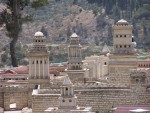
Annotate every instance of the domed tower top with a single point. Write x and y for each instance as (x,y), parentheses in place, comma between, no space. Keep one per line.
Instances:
(39,38)
(74,39)
(38,34)
(122,21)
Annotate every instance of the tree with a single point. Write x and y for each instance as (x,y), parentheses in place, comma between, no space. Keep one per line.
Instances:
(44,31)
(13,19)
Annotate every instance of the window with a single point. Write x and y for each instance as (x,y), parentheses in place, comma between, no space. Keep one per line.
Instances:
(37,61)
(41,61)
(105,63)
(33,62)
(125,46)
(66,89)
(70,100)
(63,100)
(120,46)
(124,35)
(120,35)
(116,46)
(45,61)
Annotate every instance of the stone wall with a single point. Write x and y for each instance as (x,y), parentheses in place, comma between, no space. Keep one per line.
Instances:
(20,98)
(43,101)
(101,99)
(119,78)
(1,99)
(104,99)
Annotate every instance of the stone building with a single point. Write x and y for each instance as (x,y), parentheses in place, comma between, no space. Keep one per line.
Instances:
(123,57)
(127,82)
(68,100)
(97,65)
(75,69)
(38,60)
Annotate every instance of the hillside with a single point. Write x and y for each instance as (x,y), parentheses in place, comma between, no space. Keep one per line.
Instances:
(91,19)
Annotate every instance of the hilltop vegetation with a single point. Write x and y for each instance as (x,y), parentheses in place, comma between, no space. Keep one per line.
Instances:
(91,19)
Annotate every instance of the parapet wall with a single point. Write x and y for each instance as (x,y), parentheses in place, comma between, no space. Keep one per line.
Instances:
(103,100)
(43,101)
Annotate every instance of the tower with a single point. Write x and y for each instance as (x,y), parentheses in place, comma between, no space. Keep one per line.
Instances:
(67,98)
(74,53)
(123,58)
(122,38)
(38,60)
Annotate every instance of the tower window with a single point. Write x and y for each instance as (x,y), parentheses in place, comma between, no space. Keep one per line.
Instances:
(41,61)
(70,100)
(120,46)
(37,61)
(125,46)
(66,89)
(120,35)
(105,63)
(39,40)
(124,35)
(63,100)
(129,46)
(116,46)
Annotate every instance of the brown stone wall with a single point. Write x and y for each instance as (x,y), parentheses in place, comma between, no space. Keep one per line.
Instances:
(76,77)
(104,100)
(1,99)
(20,98)
(119,78)
(42,102)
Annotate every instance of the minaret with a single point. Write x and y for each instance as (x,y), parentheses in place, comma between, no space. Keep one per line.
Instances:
(122,38)
(38,60)
(74,53)
(67,98)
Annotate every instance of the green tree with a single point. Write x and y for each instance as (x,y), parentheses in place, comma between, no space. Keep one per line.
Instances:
(13,20)
(44,31)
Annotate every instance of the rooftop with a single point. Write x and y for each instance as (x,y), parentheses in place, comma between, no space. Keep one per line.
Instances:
(74,35)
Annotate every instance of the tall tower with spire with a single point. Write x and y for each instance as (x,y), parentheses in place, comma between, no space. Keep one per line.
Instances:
(75,69)
(74,53)
(67,98)
(38,60)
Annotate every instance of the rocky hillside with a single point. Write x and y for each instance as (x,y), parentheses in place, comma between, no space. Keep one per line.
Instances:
(91,20)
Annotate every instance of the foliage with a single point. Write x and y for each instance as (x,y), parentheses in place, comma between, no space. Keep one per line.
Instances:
(39,3)
(44,31)
(143,12)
